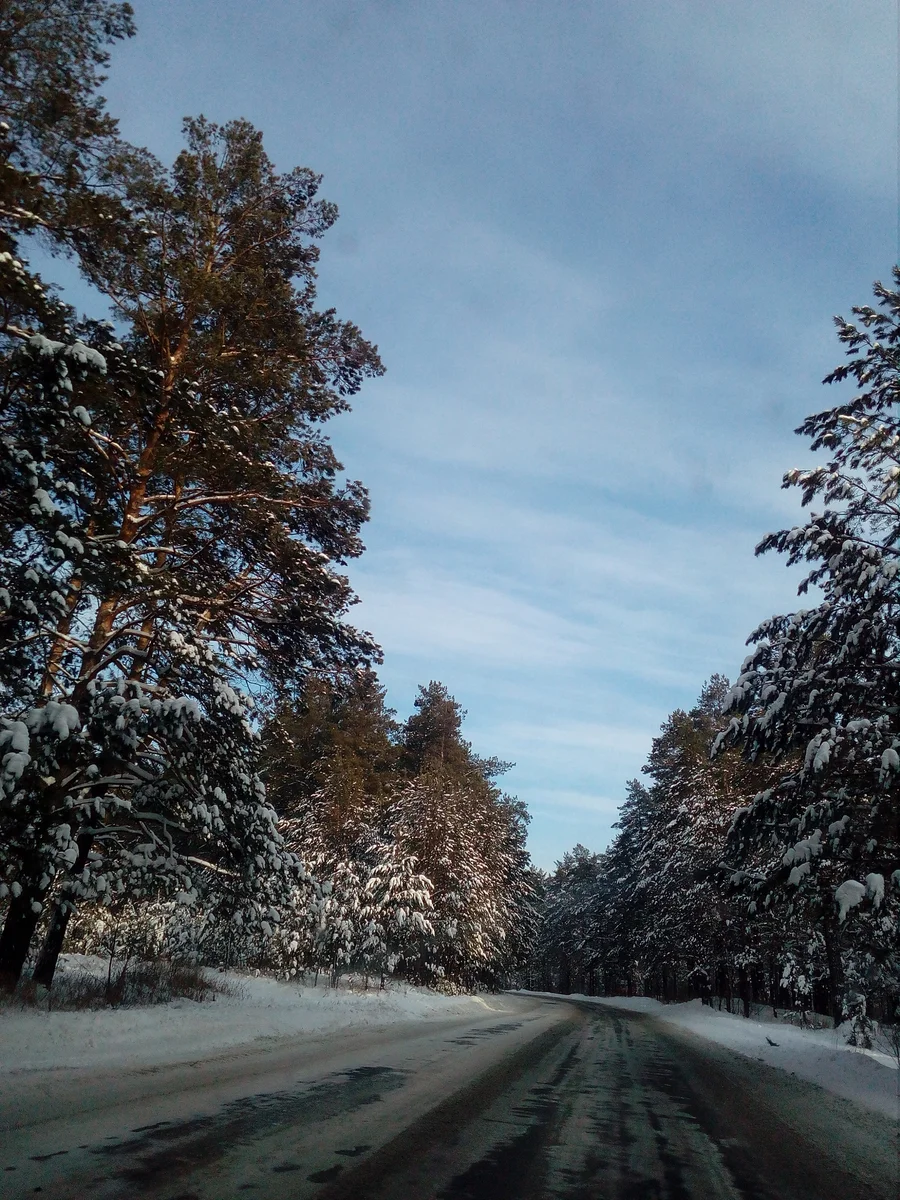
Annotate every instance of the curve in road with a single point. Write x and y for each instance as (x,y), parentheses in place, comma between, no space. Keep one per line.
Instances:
(538,1099)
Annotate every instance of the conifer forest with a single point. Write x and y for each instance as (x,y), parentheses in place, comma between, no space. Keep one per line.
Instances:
(199,760)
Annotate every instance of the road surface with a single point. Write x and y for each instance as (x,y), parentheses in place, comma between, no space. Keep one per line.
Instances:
(536,1099)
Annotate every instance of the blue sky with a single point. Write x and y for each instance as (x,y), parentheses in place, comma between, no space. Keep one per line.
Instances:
(599,246)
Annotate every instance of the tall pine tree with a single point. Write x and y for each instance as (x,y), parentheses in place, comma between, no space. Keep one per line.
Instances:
(172,513)
(821,684)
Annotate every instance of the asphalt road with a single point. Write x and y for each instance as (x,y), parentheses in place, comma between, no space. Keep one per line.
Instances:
(538,1099)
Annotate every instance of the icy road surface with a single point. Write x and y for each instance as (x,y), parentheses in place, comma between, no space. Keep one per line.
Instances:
(536,1099)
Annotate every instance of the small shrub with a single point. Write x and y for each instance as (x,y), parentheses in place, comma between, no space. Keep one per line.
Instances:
(130,985)
(160,981)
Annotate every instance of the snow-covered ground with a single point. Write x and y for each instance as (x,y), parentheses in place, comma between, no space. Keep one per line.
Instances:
(265,1008)
(184,1030)
(822,1056)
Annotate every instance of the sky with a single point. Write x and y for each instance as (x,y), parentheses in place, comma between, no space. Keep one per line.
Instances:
(599,246)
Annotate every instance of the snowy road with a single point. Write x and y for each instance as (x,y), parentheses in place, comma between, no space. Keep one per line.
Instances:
(535,1099)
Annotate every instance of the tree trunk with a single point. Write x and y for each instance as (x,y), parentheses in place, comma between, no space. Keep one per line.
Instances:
(18,930)
(744,985)
(59,922)
(837,985)
(108,606)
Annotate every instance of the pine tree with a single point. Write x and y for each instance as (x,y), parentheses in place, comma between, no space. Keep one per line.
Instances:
(432,736)
(568,946)
(171,513)
(469,841)
(397,909)
(333,744)
(694,933)
(653,914)
(55,133)
(821,683)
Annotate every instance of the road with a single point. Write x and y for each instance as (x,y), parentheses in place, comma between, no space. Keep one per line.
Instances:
(535,1099)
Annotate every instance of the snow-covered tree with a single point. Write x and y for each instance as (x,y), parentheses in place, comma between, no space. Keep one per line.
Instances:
(169,518)
(371,903)
(692,932)
(653,914)
(805,831)
(395,919)
(569,947)
(466,842)
(821,683)
(422,860)
(469,841)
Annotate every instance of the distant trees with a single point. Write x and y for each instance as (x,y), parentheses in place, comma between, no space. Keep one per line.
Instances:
(422,857)
(567,952)
(653,914)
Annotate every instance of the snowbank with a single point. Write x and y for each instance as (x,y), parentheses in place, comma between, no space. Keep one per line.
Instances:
(184,1030)
(822,1056)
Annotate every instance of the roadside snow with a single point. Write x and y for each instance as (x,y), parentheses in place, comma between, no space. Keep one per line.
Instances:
(186,1030)
(822,1056)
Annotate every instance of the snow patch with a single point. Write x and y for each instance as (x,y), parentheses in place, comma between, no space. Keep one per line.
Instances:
(185,1030)
(848,895)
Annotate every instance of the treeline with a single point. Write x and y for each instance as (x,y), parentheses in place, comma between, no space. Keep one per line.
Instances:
(411,861)
(425,860)
(173,616)
(657,913)
(760,862)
